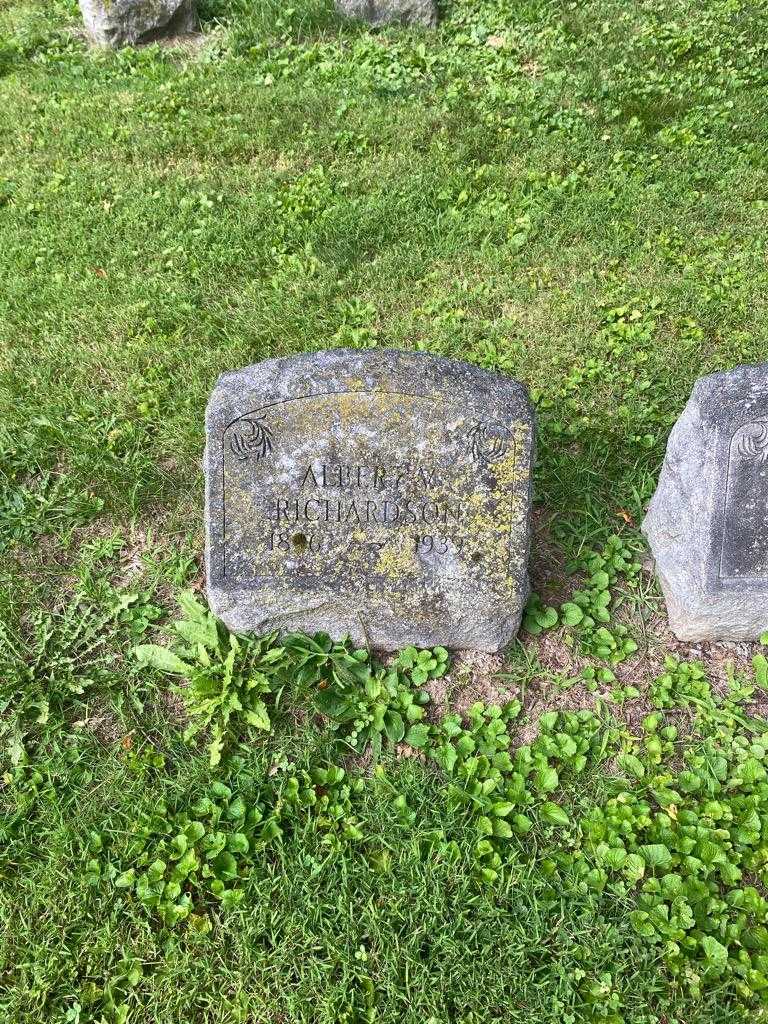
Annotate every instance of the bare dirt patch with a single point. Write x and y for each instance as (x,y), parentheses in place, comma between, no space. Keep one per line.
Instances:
(547,566)
(554,654)
(360,763)
(438,690)
(172,706)
(185,43)
(405,751)
(137,544)
(102,723)
(475,677)
(542,699)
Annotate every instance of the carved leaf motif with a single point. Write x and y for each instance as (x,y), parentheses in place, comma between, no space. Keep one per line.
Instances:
(753,441)
(251,438)
(487,442)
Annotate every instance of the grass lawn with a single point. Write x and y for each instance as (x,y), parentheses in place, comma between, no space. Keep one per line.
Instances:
(573,193)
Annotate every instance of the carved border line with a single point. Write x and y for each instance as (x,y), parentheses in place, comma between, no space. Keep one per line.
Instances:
(330,394)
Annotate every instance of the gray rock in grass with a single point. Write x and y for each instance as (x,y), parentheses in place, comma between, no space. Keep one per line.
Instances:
(386,12)
(707,523)
(131,22)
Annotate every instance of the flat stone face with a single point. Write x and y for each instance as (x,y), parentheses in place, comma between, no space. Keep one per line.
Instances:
(381,494)
(743,549)
(708,521)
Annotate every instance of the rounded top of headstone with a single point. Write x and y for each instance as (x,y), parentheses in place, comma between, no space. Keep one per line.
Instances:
(726,392)
(378,370)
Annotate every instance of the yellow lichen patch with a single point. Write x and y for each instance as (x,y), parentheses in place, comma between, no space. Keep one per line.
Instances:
(397,559)
(505,470)
(349,409)
(492,517)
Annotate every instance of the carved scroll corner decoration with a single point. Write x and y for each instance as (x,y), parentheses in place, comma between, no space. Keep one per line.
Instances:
(488,441)
(751,441)
(250,437)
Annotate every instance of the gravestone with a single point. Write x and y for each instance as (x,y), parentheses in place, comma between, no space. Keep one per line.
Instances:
(387,12)
(128,22)
(707,523)
(380,494)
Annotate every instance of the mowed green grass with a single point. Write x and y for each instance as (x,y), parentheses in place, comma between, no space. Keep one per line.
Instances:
(571,193)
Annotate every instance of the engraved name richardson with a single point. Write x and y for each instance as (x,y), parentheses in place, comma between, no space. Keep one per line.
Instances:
(343,495)
(364,511)
(484,443)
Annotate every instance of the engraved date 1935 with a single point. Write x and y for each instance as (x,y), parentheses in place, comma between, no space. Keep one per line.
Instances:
(431,544)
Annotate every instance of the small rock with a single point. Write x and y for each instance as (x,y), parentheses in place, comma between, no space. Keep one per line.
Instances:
(706,523)
(648,563)
(130,22)
(386,12)
(496,42)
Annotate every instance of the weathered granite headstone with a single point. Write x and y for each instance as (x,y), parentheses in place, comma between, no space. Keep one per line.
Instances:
(378,493)
(385,12)
(128,22)
(708,521)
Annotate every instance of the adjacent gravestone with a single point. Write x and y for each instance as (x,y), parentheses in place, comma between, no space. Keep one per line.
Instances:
(385,12)
(382,494)
(707,522)
(129,22)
